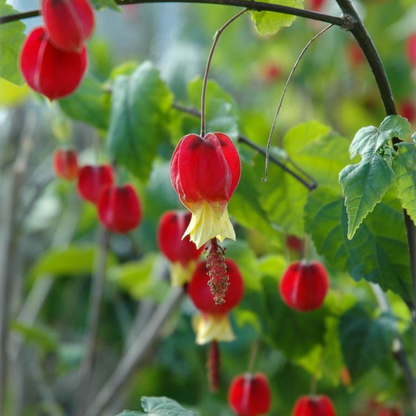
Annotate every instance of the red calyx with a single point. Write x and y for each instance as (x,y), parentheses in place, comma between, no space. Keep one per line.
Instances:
(389,411)
(119,208)
(69,23)
(314,406)
(411,48)
(200,292)
(48,70)
(250,395)
(304,285)
(172,226)
(205,169)
(65,163)
(92,180)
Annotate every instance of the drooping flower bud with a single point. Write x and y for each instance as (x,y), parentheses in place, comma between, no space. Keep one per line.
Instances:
(250,395)
(182,253)
(65,163)
(69,23)
(213,324)
(119,208)
(205,173)
(304,285)
(314,406)
(49,70)
(92,180)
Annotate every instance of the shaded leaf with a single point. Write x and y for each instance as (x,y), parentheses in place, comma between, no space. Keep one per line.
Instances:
(101,4)
(43,338)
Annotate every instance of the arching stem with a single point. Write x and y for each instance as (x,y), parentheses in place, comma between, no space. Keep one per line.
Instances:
(266,168)
(205,80)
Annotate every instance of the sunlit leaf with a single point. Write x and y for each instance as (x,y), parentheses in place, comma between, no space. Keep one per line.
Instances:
(11,94)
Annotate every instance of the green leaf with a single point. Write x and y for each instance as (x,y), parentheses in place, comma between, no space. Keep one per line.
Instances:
(268,23)
(71,261)
(11,40)
(159,406)
(378,253)
(294,333)
(89,103)
(404,166)
(365,341)
(221,109)
(139,107)
(365,183)
(101,4)
(40,337)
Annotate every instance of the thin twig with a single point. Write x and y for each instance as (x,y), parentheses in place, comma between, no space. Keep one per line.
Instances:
(129,362)
(209,60)
(96,296)
(248,4)
(289,78)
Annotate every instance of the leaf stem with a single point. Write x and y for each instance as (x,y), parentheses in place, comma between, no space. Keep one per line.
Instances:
(208,66)
(269,141)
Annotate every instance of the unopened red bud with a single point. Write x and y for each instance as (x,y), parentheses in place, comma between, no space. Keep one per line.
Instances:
(314,406)
(65,163)
(92,180)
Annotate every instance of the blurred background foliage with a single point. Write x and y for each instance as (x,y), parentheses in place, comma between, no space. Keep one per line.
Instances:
(56,232)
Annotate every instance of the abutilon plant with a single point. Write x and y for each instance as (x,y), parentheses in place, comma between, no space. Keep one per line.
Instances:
(181,252)
(92,180)
(48,70)
(250,394)
(69,23)
(65,164)
(320,405)
(304,285)
(119,208)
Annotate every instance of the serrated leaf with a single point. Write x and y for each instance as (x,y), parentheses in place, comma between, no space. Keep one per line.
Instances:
(268,23)
(89,103)
(101,4)
(365,183)
(139,106)
(163,406)
(11,40)
(378,253)
(404,166)
(365,341)
(221,109)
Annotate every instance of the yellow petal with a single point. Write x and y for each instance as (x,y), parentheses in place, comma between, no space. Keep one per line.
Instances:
(210,328)
(180,274)
(209,220)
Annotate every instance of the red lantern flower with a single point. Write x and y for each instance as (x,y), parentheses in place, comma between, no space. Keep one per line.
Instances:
(65,163)
(250,395)
(69,23)
(205,173)
(119,208)
(304,285)
(92,180)
(182,253)
(213,324)
(48,70)
(314,406)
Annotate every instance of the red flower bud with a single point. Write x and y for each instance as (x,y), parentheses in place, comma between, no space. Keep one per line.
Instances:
(69,23)
(48,70)
(304,285)
(314,406)
(201,295)
(250,395)
(389,411)
(65,163)
(92,180)
(119,208)
(172,225)
(205,173)
(411,49)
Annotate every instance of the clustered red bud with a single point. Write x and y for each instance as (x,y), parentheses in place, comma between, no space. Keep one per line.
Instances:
(53,59)
(304,285)
(69,23)
(250,395)
(48,70)
(172,226)
(201,296)
(205,172)
(314,406)
(65,163)
(92,180)
(119,208)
